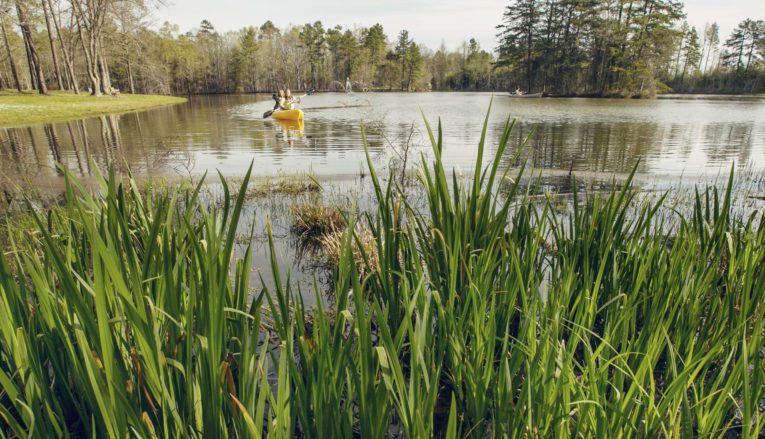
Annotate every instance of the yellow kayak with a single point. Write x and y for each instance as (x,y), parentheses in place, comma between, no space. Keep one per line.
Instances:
(288,115)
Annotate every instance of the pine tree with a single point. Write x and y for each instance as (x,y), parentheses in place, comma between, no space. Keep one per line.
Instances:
(268,31)
(374,41)
(712,39)
(243,69)
(313,36)
(403,46)
(742,46)
(518,36)
(756,32)
(691,51)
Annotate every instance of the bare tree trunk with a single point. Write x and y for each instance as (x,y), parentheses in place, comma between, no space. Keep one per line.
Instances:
(30,65)
(749,56)
(89,47)
(35,66)
(11,61)
(68,62)
(706,61)
(130,76)
(56,68)
(95,85)
(103,71)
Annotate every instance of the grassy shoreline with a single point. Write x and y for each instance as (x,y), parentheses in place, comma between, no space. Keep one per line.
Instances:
(27,108)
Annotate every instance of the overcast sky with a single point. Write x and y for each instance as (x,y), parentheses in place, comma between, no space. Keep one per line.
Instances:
(428,21)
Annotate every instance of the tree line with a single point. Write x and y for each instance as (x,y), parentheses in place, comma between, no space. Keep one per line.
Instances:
(562,47)
(624,48)
(704,64)
(46,47)
(100,46)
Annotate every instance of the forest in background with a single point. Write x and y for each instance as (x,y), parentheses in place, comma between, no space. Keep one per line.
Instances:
(625,48)
(562,47)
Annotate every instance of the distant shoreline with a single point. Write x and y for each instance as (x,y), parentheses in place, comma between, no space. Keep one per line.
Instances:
(496,92)
(21,109)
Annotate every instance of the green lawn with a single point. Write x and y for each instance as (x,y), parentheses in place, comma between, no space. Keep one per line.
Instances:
(28,108)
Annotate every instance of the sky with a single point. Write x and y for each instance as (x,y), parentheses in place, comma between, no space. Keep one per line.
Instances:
(428,21)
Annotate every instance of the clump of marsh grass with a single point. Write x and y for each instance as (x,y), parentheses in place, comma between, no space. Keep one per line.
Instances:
(364,248)
(314,221)
(287,186)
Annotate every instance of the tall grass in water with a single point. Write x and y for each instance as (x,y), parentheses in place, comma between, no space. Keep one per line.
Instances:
(488,313)
(124,320)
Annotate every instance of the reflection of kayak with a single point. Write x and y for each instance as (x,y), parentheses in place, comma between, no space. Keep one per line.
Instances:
(291,125)
(288,115)
(530,95)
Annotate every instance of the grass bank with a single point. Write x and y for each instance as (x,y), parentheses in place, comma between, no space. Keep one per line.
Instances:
(485,313)
(30,108)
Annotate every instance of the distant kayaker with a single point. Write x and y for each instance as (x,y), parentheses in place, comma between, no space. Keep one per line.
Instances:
(518,91)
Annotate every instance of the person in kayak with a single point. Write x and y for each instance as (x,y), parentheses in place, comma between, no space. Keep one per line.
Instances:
(278,100)
(289,100)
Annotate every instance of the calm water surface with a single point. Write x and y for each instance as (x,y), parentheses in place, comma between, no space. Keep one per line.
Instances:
(697,137)
(669,137)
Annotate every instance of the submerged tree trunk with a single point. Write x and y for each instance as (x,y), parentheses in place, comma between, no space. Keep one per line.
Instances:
(35,67)
(11,61)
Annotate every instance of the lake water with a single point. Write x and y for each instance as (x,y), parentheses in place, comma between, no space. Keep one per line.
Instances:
(691,137)
(669,137)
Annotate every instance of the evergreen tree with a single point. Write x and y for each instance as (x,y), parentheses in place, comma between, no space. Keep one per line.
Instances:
(440,67)
(692,52)
(413,65)
(313,37)
(374,40)
(349,51)
(403,47)
(244,69)
(268,31)
(518,37)
(742,46)
(712,40)
(755,33)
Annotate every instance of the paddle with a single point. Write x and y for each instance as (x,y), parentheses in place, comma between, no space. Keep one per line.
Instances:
(268,113)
